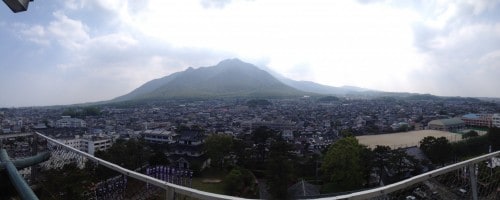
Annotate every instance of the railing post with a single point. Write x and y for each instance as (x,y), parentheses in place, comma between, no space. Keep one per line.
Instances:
(34,152)
(473,180)
(169,193)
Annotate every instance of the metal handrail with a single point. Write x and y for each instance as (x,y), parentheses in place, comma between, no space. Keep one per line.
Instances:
(23,189)
(169,187)
(366,194)
(371,193)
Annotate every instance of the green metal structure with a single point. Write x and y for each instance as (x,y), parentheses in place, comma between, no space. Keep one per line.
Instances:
(11,167)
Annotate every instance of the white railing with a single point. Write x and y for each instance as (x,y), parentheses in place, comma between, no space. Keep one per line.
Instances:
(172,189)
(384,190)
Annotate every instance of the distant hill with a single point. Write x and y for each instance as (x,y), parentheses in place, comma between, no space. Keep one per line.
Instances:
(309,86)
(328,99)
(229,78)
(148,87)
(235,78)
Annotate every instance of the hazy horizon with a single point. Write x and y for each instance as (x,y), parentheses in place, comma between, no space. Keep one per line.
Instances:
(67,52)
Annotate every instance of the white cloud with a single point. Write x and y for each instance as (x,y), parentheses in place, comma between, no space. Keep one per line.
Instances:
(480,6)
(109,5)
(114,42)
(214,3)
(69,33)
(417,46)
(36,34)
(342,42)
(491,59)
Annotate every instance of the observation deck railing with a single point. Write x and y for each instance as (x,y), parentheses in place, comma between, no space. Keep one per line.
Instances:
(476,178)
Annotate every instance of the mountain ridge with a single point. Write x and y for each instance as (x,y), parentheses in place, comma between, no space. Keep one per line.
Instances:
(229,78)
(314,87)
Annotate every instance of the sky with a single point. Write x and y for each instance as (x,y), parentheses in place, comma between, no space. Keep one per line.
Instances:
(76,51)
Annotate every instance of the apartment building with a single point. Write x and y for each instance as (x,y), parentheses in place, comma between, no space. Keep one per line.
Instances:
(478,120)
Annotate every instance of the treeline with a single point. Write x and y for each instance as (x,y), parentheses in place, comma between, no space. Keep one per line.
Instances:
(347,165)
(264,155)
(258,102)
(82,112)
(441,151)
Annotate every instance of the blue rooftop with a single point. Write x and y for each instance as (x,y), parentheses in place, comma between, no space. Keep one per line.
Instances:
(471,116)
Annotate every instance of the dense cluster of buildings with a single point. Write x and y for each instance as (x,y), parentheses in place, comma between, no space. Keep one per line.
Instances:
(308,124)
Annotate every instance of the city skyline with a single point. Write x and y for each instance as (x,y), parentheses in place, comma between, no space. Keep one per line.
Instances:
(83,51)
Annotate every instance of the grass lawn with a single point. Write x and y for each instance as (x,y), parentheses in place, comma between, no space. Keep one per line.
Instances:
(208,187)
(211,174)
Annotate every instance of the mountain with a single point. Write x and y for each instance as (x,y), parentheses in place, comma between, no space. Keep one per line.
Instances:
(229,78)
(309,86)
(148,87)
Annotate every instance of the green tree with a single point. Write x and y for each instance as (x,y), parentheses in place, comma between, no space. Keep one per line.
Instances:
(400,164)
(471,147)
(69,182)
(217,147)
(380,159)
(259,137)
(258,102)
(342,166)
(494,138)
(403,128)
(82,112)
(158,158)
(240,182)
(261,134)
(91,111)
(239,149)
(346,133)
(279,172)
(70,112)
(470,134)
(328,99)
(438,150)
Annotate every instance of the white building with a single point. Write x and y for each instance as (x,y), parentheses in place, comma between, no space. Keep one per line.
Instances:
(88,144)
(496,120)
(68,122)
(159,136)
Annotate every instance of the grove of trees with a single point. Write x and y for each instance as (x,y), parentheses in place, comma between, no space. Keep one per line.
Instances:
(217,147)
(438,150)
(342,166)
